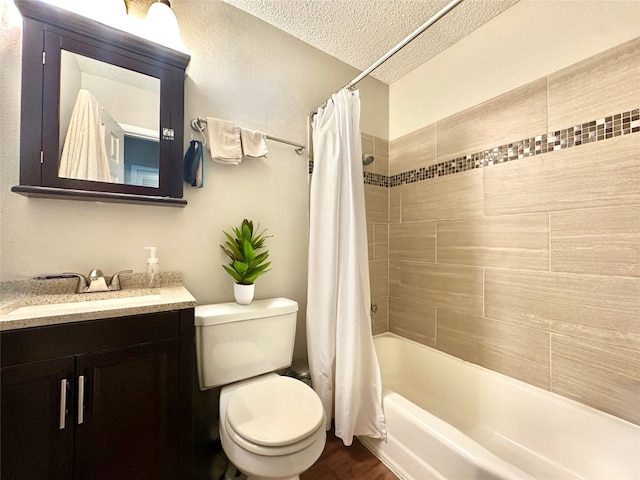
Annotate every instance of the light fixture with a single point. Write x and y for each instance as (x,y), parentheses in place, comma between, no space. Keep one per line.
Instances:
(162,25)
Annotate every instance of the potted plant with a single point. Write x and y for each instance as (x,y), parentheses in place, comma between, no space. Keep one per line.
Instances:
(245,263)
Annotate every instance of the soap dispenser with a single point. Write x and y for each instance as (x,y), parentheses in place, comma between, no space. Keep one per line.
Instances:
(153,268)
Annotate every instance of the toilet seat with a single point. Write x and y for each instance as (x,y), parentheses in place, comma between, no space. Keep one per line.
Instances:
(274,416)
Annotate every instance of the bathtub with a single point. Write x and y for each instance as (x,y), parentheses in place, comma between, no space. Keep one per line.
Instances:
(450,419)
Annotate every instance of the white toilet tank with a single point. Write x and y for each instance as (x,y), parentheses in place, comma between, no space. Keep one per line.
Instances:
(235,342)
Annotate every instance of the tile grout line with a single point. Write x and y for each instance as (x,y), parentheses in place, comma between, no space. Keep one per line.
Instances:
(549,240)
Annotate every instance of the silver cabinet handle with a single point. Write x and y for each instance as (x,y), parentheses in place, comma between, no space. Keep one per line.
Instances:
(80,399)
(63,403)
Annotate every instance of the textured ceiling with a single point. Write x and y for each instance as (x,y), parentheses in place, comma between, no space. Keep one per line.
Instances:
(359,32)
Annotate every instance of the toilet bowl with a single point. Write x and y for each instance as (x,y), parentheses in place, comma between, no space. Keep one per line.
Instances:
(271,427)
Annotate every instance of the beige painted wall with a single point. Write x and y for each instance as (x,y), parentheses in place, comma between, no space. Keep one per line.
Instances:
(241,69)
(529,40)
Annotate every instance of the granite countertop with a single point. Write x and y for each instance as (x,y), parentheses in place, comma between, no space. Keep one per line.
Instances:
(34,303)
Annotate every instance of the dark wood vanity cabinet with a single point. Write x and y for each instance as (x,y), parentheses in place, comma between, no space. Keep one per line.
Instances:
(102,399)
(31,442)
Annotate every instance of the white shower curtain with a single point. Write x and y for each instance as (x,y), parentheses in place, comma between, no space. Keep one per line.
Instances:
(342,360)
(84,155)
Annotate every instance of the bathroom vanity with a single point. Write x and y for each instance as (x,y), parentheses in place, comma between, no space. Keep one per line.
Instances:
(99,394)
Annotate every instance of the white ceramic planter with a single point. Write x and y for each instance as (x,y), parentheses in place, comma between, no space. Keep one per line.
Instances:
(243,293)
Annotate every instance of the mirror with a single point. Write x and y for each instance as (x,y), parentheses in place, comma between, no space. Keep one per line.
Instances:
(109,122)
(102,111)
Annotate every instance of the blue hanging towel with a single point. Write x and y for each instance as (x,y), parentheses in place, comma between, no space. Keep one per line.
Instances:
(194,165)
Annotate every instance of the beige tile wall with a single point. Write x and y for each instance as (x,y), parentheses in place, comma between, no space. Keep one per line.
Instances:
(530,267)
(377,207)
(595,88)
(518,114)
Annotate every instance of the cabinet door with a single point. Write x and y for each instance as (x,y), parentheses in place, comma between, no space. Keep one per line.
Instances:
(127,413)
(36,437)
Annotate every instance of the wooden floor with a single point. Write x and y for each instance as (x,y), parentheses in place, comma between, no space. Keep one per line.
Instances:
(338,462)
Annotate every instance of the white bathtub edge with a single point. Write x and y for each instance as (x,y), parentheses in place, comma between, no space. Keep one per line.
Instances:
(392,456)
(590,429)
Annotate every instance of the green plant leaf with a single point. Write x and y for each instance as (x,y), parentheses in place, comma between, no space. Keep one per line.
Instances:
(240,267)
(246,231)
(248,223)
(261,269)
(252,278)
(232,246)
(248,251)
(261,258)
(242,247)
(228,252)
(233,273)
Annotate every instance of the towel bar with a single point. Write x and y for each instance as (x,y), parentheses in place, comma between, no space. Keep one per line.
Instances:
(198,124)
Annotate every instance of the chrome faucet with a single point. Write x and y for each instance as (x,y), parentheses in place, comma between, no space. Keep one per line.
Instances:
(96,282)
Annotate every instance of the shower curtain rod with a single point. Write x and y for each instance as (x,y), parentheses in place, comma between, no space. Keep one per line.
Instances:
(198,124)
(365,73)
(446,9)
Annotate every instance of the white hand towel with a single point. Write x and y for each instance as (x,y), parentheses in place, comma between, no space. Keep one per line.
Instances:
(253,143)
(224,141)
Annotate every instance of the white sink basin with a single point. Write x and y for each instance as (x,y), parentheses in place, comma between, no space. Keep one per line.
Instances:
(51,309)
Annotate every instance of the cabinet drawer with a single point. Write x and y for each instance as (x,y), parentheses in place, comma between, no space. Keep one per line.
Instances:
(43,343)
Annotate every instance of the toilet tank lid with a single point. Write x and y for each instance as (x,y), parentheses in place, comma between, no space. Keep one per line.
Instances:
(219,313)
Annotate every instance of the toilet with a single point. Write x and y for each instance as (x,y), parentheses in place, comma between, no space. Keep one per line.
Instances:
(271,426)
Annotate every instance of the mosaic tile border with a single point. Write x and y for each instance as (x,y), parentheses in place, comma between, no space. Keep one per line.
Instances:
(624,123)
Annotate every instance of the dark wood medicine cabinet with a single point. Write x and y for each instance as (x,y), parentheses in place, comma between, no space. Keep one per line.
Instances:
(123,69)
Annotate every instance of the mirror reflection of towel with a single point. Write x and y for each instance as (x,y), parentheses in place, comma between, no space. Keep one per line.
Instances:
(84,155)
